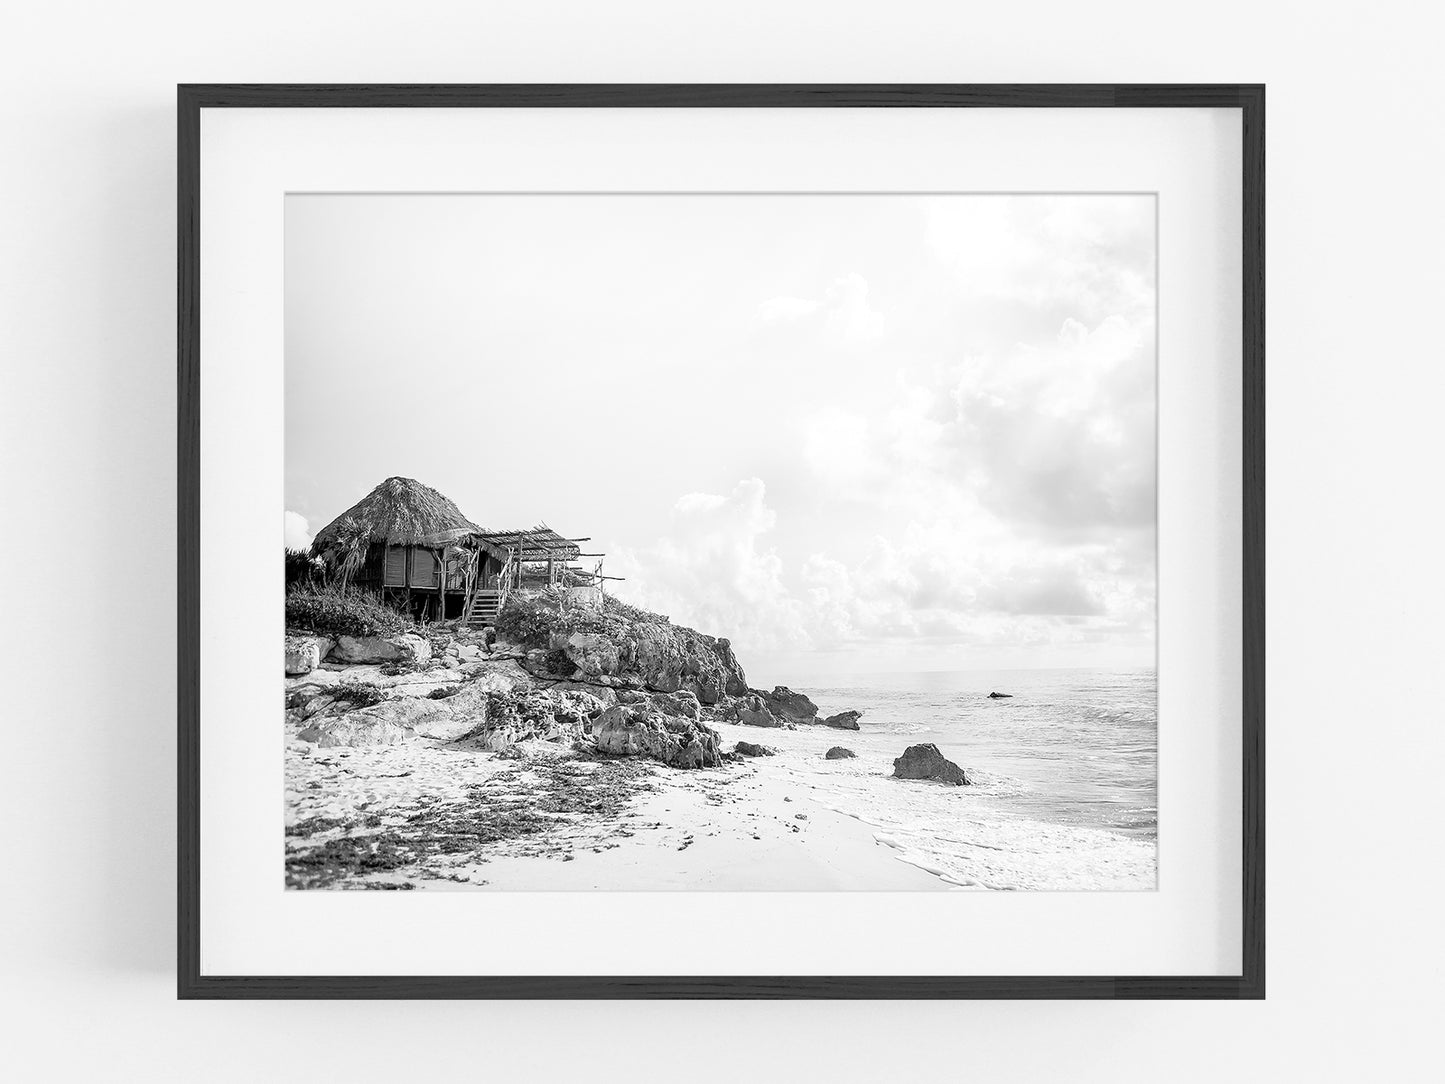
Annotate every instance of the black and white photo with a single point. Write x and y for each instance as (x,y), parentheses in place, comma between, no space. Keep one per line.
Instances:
(736,542)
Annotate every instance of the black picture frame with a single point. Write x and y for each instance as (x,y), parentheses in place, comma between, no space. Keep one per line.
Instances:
(192,99)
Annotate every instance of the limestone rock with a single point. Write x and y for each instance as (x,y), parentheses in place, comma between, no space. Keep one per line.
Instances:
(304,653)
(354,729)
(789,706)
(682,704)
(752,711)
(591,652)
(844,720)
(748,749)
(926,762)
(735,682)
(407,648)
(642,730)
(1000,696)
(838,753)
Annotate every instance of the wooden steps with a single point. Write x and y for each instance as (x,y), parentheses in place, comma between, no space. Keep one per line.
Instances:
(483,608)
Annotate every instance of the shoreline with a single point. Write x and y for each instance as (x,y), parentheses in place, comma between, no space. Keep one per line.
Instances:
(744,826)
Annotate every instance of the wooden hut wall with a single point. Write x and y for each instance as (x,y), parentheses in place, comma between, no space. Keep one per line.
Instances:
(395,566)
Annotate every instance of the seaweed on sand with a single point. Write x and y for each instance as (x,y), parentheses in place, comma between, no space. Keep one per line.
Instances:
(557,794)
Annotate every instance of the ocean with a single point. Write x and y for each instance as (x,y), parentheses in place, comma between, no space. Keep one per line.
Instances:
(1066,770)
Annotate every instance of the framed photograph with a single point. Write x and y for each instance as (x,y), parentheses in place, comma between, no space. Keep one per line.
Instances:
(724,541)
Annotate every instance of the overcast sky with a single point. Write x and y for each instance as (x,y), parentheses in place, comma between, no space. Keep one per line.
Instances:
(850,432)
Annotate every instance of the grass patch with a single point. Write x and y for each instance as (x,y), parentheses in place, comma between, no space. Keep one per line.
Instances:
(332,611)
(359,693)
(532,619)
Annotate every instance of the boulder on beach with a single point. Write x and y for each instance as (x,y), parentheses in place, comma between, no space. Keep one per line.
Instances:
(749,749)
(683,703)
(408,648)
(643,730)
(926,762)
(789,706)
(752,711)
(1000,696)
(354,729)
(838,753)
(304,653)
(844,720)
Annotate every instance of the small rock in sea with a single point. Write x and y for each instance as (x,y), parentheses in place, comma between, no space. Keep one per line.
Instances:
(1000,696)
(751,749)
(800,816)
(838,753)
(787,799)
(926,762)
(844,720)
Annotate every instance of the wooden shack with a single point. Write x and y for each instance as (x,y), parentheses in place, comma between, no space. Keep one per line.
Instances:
(412,546)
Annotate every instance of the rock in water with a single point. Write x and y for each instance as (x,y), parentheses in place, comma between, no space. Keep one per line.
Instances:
(643,730)
(748,749)
(926,762)
(844,720)
(1000,696)
(838,753)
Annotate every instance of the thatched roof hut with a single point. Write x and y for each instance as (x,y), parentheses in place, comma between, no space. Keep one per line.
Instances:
(398,512)
(414,547)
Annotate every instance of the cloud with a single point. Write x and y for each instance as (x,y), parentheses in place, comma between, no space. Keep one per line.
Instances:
(1058,592)
(784,310)
(713,571)
(297,531)
(844,316)
(944,582)
(1063,435)
(1086,257)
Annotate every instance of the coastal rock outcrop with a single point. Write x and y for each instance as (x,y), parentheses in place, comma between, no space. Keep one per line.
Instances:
(750,749)
(838,753)
(1000,696)
(495,710)
(683,704)
(304,653)
(844,720)
(752,711)
(408,648)
(789,706)
(661,657)
(643,730)
(926,762)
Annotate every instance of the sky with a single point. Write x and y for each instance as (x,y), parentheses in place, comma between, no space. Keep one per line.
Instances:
(861,433)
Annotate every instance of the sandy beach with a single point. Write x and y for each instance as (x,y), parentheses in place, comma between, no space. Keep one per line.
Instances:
(746,825)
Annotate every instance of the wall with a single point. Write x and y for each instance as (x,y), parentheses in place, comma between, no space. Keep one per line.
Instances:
(87,412)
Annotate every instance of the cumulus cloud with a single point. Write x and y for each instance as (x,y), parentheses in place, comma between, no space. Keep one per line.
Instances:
(714,571)
(843,316)
(944,582)
(297,531)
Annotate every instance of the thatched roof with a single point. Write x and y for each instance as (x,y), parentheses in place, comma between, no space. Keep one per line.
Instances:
(539,543)
(399,512)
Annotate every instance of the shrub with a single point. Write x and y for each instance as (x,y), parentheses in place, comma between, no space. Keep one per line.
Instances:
(359,693)
(617,608)
(557,662)
(331,611)
(301,569)
(529,620)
